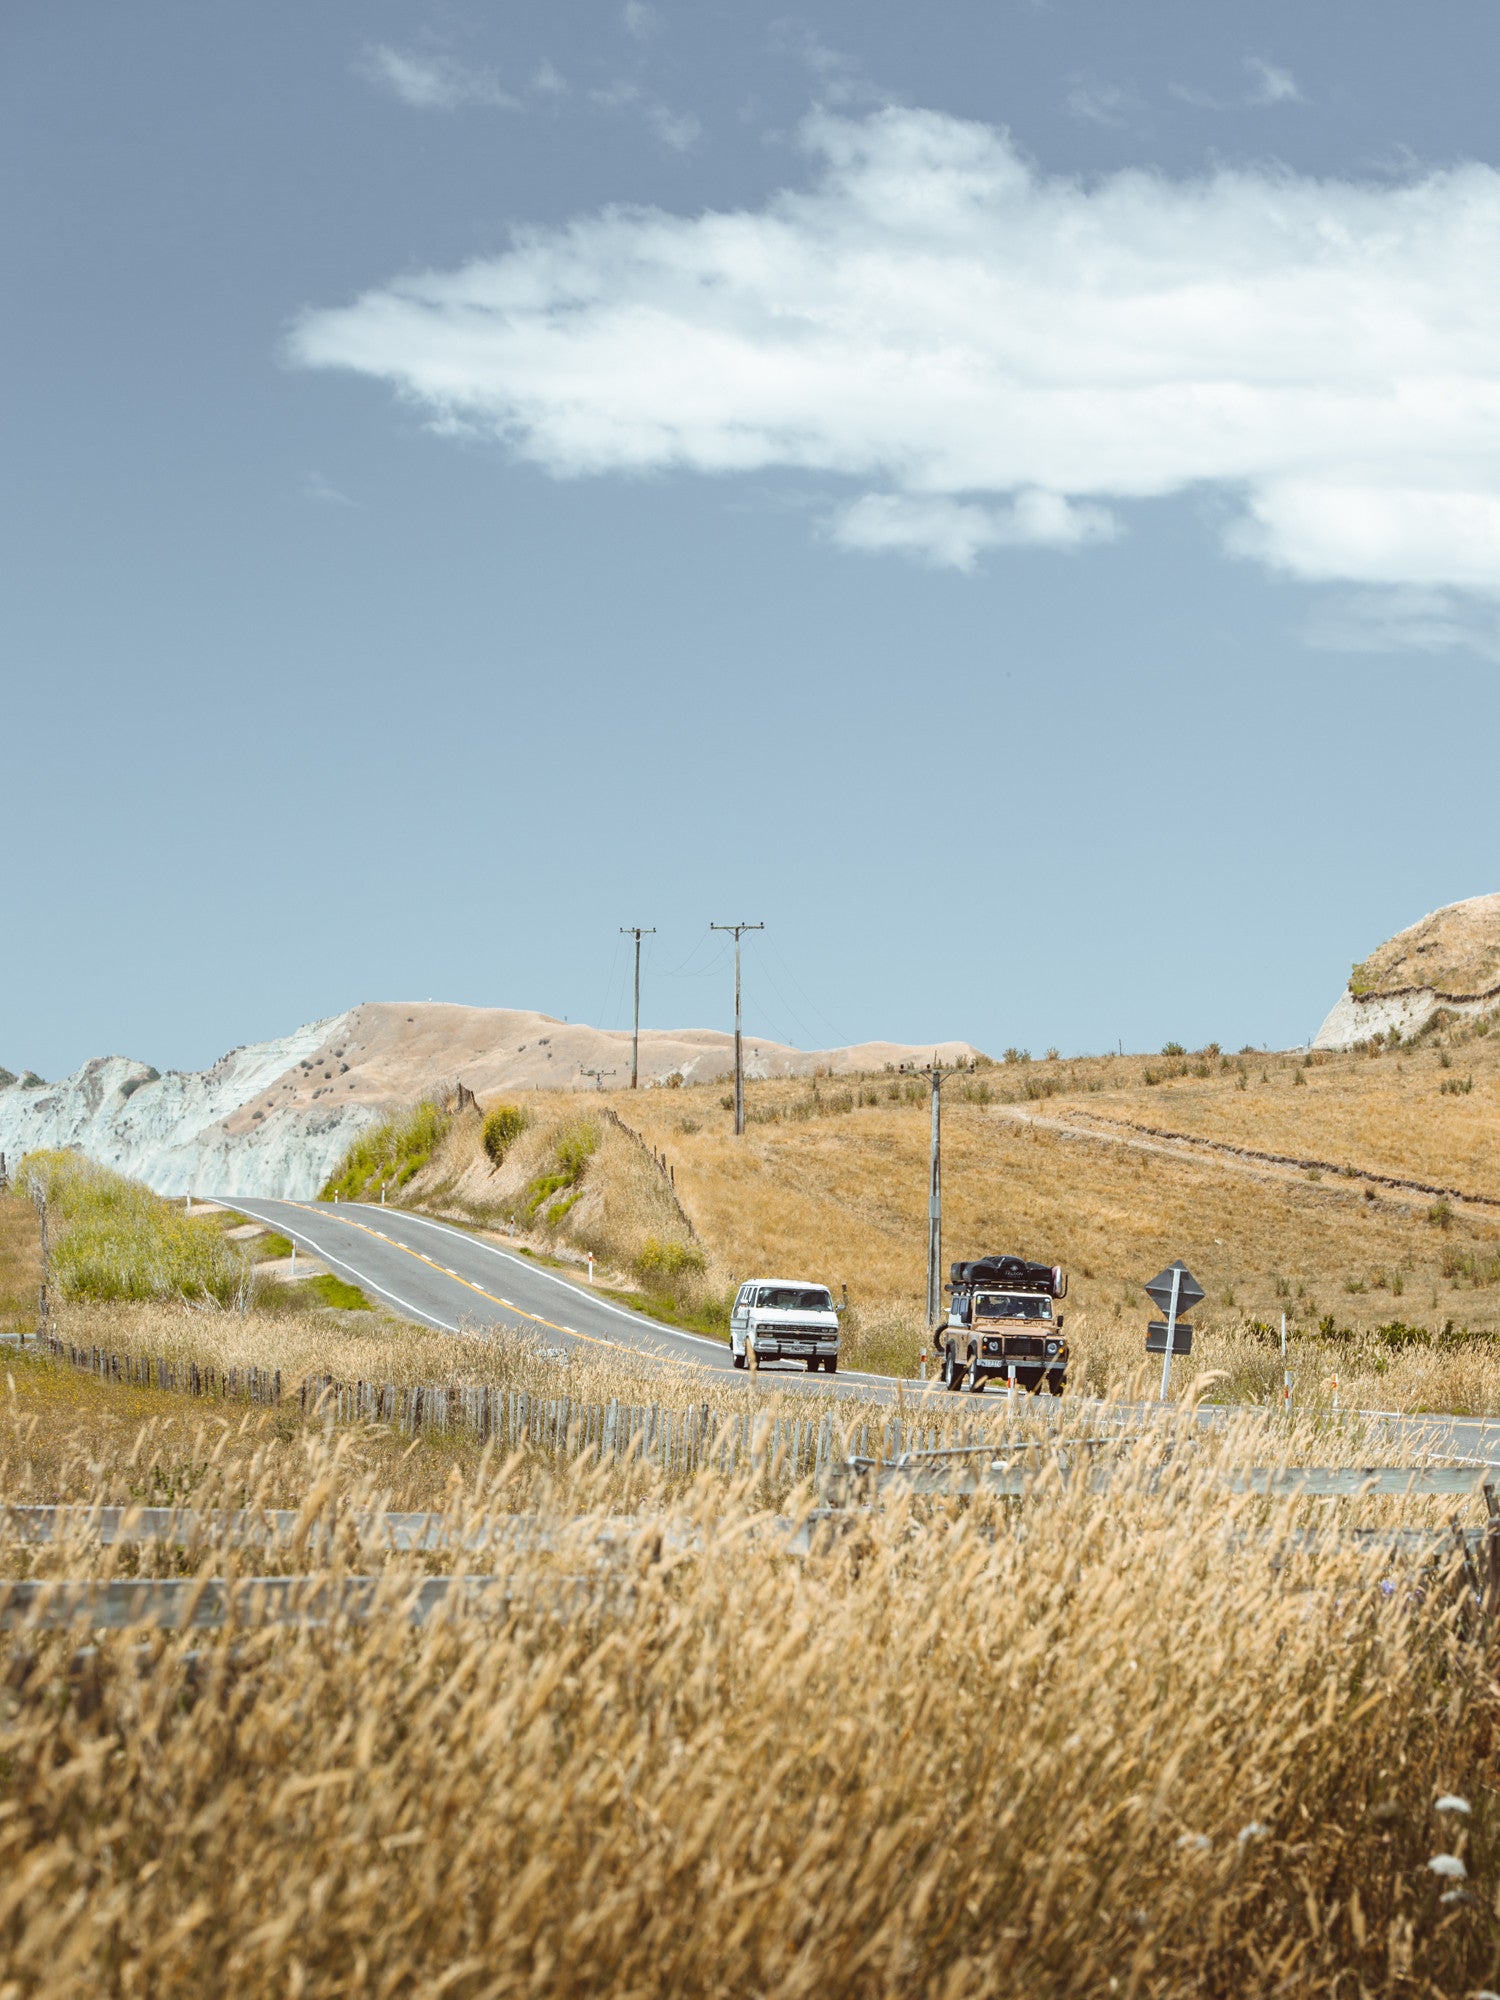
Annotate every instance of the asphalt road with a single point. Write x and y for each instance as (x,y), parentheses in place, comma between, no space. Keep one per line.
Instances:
(445,1278)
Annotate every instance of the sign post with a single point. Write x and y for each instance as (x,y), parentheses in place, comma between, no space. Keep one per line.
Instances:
(1176,1291)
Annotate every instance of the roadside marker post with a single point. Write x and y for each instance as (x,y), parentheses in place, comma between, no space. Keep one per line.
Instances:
(1176,1291)
(1286,1373)
(591,1266)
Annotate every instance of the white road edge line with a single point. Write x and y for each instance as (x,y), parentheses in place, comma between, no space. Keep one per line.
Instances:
(606,1305)
(354,1272)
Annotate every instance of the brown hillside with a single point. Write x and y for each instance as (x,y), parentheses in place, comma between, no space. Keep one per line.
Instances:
(1054,1159)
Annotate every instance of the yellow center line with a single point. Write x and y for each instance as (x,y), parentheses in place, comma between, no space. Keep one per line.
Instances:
(442,1270)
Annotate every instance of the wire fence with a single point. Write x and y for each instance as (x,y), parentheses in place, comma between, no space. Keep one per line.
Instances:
(678,1440)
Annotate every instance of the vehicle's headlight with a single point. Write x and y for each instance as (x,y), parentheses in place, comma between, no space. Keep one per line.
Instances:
(1052,1347)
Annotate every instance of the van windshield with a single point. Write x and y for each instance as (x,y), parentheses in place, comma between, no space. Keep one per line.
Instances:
(794,1298)
(1012,1305)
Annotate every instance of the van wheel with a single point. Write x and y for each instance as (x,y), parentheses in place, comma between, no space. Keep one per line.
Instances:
(812,1364)
(739,1360)
(831,1365)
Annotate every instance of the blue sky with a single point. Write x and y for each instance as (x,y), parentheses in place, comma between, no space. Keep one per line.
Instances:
(1007,495)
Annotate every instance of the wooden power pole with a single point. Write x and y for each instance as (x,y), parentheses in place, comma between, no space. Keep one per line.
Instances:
(637,931)
(739,1050)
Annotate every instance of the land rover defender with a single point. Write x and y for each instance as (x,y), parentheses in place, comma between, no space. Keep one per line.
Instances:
(1000,1326)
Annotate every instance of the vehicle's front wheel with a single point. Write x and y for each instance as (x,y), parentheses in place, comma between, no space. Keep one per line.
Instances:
(1057,1383)
(831,1365)
(812,1364)
(739,1359)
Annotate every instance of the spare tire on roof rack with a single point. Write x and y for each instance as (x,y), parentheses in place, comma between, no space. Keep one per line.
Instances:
(1016,1274)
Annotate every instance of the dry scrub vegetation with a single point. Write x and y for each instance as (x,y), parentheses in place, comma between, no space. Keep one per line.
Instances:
(1082,1744)
(1394,1293)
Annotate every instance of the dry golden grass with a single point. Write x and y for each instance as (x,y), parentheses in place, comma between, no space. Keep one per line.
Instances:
(20,1262)
(1455,950)
(1089,1743)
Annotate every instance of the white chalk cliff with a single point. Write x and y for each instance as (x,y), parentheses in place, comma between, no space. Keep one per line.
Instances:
(274,1118)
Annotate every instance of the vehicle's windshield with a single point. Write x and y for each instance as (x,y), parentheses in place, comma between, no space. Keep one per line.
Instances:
(794,1298)
(1012,1305)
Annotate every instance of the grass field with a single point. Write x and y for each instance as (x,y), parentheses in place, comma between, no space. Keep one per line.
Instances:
(1382,1287)
(1082,1744)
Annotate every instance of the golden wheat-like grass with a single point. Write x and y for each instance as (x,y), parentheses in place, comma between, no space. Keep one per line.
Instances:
(1086,1743)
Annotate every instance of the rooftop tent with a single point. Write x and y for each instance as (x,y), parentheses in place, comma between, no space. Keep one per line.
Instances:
(1015,1274)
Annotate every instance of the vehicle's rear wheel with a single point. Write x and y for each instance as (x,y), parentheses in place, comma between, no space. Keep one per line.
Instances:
(953,1375)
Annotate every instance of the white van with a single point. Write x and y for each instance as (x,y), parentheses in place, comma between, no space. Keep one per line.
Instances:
(785,1319)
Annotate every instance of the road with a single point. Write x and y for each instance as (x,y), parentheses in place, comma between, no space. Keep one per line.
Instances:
(445,1278)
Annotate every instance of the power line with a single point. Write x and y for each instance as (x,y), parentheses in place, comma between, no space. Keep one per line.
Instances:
(841,1040)
(802,1027)
(603,1014)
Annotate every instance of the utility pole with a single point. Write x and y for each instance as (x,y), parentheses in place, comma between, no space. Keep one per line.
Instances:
(739,1050)
(637,931)
(597,1074)
(936,1073)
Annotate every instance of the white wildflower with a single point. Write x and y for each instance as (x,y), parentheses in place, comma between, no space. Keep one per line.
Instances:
(1448,1864)
(1199,1842)
(1451,1802)
(1252,1830)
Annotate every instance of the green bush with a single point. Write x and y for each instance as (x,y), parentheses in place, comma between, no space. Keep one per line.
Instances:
(667,1268)
(395,1151)
(572,1151)
(114,1239)
(502,1127)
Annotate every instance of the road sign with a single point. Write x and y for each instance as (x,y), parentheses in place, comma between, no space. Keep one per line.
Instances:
(1156,1337)
(1189,1291)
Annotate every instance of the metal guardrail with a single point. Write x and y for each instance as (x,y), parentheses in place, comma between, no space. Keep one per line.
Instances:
(207,1603)
(1008,1478)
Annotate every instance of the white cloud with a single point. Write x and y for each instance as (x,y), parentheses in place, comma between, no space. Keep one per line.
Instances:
(1404,621)
(1102,103)
(548,81)
(315,487)
(432,82)
(677,129)
(933,318)
(1270,85)
(641,21)
(950,534)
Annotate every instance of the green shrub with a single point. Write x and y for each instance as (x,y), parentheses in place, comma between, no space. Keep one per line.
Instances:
(572,1150)
(115,1239)
(395,1151)
(667,1268)
(1173,1049)
(502,1127)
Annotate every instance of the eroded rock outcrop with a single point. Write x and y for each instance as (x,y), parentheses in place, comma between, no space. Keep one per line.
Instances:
(1451,959)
